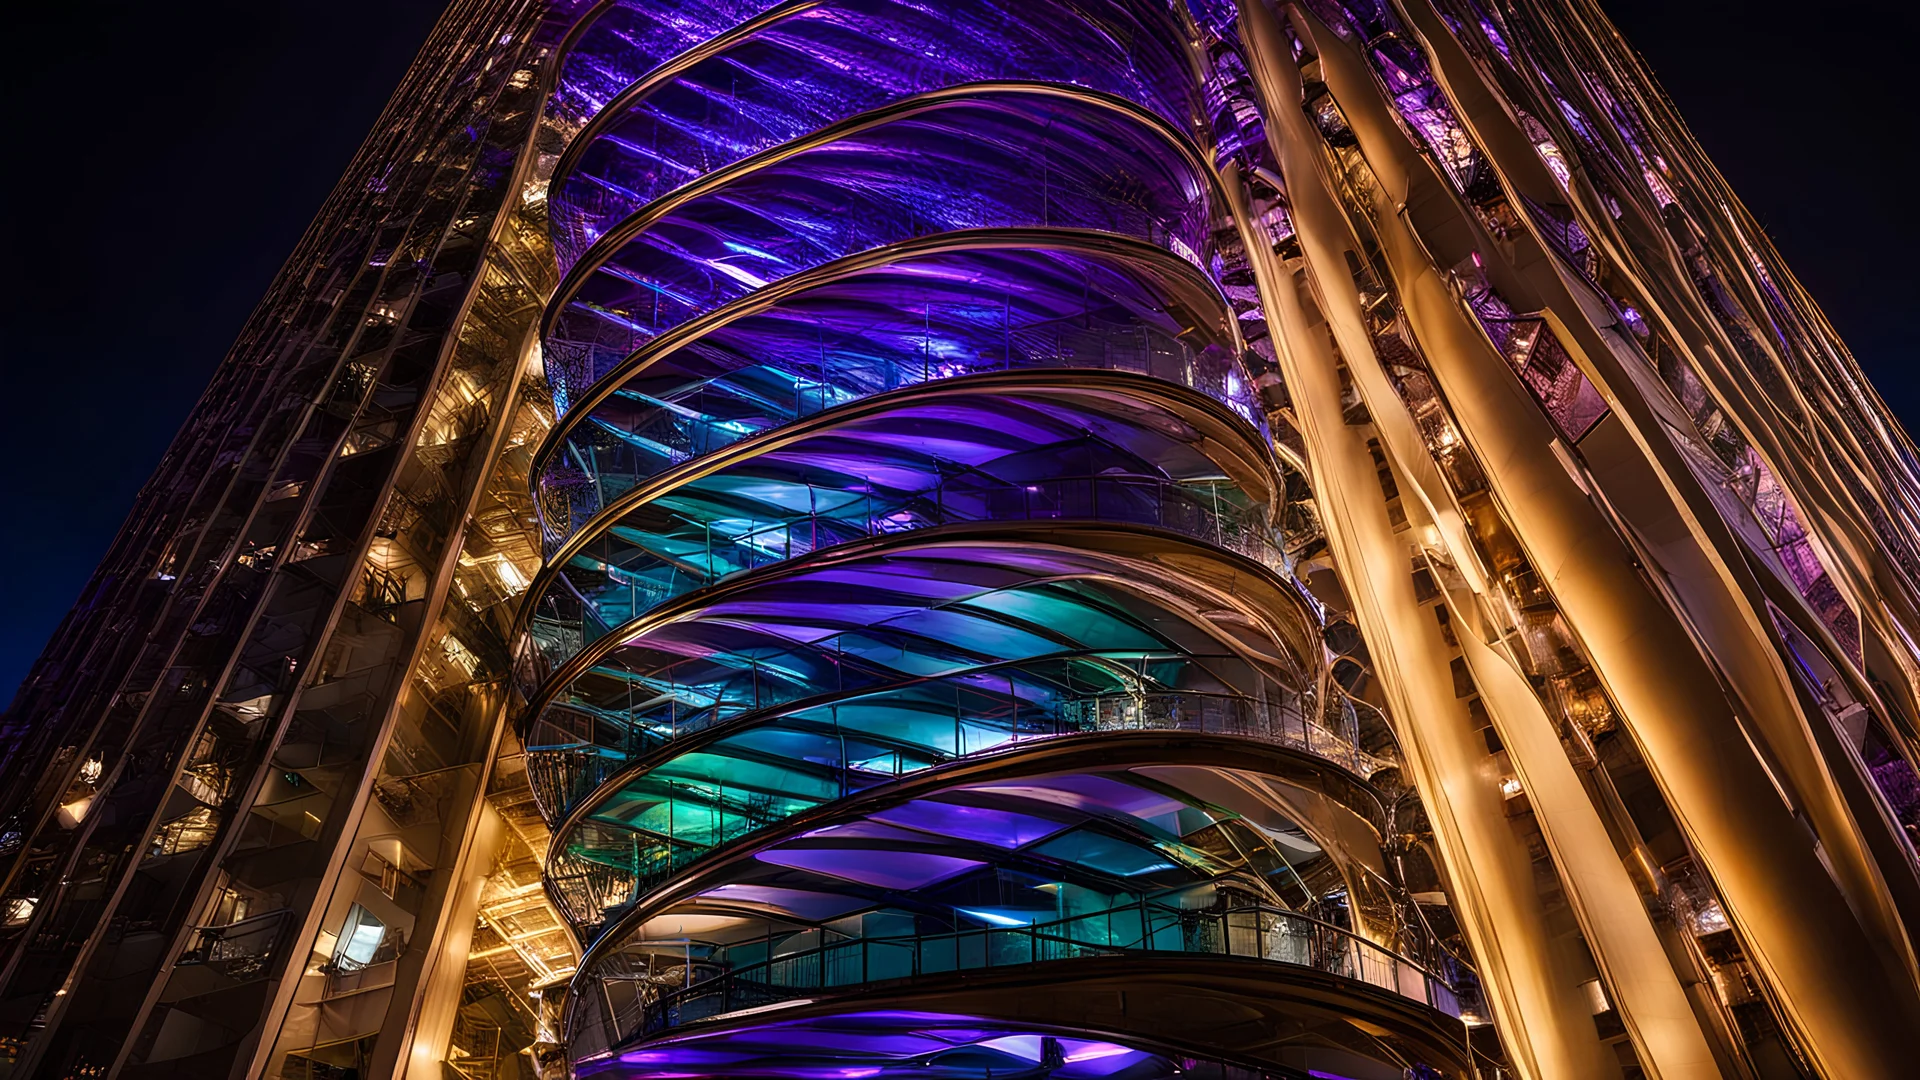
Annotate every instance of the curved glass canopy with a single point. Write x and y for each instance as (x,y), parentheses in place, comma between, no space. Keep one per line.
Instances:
(803,67)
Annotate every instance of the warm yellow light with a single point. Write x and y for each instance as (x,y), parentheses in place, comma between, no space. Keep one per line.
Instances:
(75,812)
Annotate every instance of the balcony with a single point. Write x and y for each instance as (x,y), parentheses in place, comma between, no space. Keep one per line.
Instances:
(1260,933)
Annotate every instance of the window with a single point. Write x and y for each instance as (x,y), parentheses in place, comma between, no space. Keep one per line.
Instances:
(360,938)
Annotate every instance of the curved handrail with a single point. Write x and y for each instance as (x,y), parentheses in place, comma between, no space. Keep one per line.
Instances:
(618,108)
(1280,723)
(1178,275)
(672,67)
(1255,932)
(597,898)
(1213,713)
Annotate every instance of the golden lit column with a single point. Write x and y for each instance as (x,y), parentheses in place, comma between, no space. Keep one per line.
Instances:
(1853,1017)
(1666,1030)
(1644,480)
(1490,873)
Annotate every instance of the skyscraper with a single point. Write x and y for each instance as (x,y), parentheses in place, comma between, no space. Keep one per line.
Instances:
(1066,539)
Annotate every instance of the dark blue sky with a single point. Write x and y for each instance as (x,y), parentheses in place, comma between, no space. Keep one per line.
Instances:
(164,158)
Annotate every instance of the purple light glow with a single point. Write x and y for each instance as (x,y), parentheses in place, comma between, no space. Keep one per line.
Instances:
(883,869)
(1003,828)
(1089,793)
(890,1044)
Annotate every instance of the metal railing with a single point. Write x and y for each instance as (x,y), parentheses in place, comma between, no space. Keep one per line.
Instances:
(569,616)
(241,949)
(587,474)
(1220,714)
(345,975)
(1262,933)
(564,774)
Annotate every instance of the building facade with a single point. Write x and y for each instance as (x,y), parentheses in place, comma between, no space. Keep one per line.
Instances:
(1066,539)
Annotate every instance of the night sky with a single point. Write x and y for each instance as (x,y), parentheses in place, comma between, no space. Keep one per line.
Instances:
(164,158)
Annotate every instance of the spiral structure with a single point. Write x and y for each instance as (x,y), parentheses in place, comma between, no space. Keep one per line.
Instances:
(918,679)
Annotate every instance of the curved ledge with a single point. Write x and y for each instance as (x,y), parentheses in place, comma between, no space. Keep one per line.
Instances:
(672,68)
(1205,713)
(1258,933)
(897,1045)
(582,23)
(586,21)
(848,57)
(650,82)
(1302,753)
(1254,1007)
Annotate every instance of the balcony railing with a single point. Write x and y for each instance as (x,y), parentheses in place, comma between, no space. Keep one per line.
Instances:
(590,889)
(239,949)
(1262,933)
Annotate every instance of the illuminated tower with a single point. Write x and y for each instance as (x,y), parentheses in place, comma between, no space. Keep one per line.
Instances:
(1064,539)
